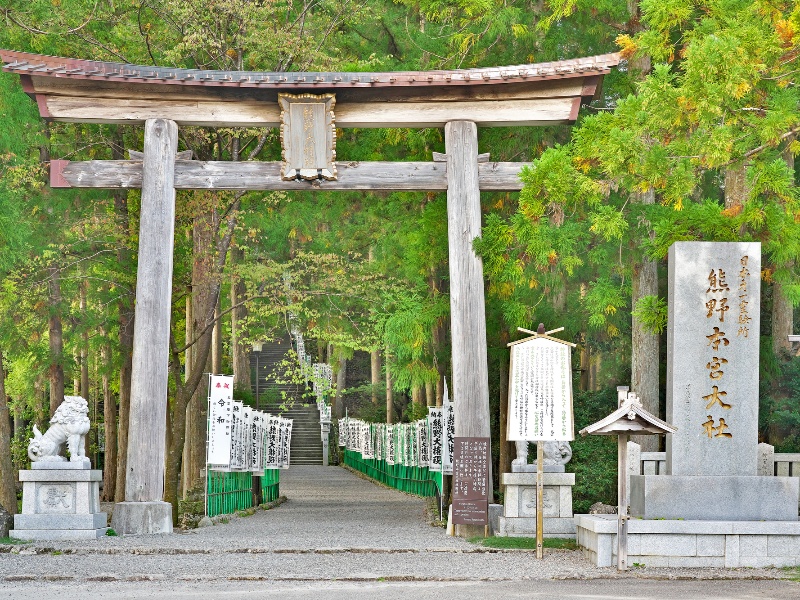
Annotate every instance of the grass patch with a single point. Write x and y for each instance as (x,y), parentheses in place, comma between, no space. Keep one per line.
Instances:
(111,533)
(793,573)
(12,541)
(525,543)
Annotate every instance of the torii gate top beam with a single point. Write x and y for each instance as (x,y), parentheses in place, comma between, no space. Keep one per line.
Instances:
(100,92)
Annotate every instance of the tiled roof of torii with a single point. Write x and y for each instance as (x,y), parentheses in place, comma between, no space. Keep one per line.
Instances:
(24,63)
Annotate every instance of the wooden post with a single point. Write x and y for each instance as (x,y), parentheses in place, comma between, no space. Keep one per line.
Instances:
(539,499)
(622,502)
(143,510)
(467,309)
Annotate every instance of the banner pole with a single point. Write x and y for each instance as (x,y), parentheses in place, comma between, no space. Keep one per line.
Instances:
(208,430)
(539,499)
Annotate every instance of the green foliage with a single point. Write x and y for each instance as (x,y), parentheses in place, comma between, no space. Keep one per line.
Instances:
(594,457)
(779,414)
(652,312)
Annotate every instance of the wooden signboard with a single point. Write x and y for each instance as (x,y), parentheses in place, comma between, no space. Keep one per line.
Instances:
(471,481)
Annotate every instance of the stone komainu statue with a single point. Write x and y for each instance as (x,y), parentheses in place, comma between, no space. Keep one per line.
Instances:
(69,424)
(555,453)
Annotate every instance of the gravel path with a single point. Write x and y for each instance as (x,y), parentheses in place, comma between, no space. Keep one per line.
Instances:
(334,525)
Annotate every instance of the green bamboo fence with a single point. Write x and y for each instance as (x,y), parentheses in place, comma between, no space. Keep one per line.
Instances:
(419,481)
(270,485)
(229,492)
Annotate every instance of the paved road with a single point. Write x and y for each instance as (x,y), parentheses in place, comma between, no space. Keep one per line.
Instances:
(530,590)
(343,537)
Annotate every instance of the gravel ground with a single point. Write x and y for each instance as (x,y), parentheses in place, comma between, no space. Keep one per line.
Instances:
(334,526)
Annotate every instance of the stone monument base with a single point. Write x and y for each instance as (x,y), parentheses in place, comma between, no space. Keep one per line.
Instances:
(140,518)
(691,543)
(519,509)
(60,501)
(708,497)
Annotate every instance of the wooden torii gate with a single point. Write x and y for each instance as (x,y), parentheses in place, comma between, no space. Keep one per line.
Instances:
(306,106)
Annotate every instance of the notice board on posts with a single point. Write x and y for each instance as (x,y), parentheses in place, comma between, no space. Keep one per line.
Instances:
(471,480)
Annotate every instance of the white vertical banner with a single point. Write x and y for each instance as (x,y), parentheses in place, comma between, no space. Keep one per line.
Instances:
(220,398)
(343,429)
(379,441)
(449,424)
(273,442)
(435,439)
(423,458)
(390,445)
(254,441)
(286,442)
(237,436)
(247,426)
(366,441)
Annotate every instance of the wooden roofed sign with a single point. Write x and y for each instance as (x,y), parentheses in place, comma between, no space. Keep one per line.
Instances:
(629,418)
(540,389)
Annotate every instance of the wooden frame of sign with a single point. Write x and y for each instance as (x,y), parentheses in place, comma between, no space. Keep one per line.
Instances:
(523,379)
(308,136)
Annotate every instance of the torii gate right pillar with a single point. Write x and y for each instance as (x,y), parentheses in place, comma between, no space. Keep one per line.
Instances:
(467,304)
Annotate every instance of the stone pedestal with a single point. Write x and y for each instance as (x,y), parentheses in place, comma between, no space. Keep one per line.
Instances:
(694,544)
(142,518)
(519,510)
(711,498)
(60,501)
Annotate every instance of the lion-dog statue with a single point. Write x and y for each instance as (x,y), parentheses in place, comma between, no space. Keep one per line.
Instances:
(69,424)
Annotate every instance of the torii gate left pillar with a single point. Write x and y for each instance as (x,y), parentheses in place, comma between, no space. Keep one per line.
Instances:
(143,510)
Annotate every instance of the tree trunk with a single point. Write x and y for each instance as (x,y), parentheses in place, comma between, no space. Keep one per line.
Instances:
(645,346)
(389,391)
(375,372)
(506,448)
(84,362)
(56,341)
(8,491)
(187,370)
(341,384)
(110,424)
(416,397)
(735,187)
(782,309)
(430,394)
(216,342)
(126,324)
(204,300)
(239,350)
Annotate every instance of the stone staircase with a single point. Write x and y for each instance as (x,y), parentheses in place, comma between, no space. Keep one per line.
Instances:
(306,448)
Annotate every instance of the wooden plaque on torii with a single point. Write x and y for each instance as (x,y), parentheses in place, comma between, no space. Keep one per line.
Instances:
(308,136)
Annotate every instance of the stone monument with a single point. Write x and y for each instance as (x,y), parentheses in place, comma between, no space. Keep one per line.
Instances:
(60,497)
(712,394)
(719,504)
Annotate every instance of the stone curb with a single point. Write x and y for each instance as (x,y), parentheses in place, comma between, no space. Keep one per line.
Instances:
(34,550)
(114,577)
